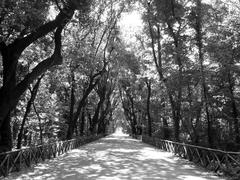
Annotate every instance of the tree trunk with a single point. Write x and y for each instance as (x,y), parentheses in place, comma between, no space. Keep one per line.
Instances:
(89,121)
(72,103)
(133,115)
(95,119)
(128,108)
(176,124)
(82,125)
(6,135)
(104,113)
(9,83)
(28,109)
(166,133)
(198,29)
(234,108)
(148,108)
(39,123)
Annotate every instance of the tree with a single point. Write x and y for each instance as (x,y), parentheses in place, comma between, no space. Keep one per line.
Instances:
(198,13)
(10,92)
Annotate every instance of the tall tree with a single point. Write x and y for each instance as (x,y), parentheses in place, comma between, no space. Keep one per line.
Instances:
(11,91)
(199,42)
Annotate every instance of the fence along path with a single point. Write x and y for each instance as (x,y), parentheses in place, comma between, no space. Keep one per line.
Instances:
(117,157)
(215,160)
(24,158)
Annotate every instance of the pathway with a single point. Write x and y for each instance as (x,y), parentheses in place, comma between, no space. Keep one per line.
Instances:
(116,157)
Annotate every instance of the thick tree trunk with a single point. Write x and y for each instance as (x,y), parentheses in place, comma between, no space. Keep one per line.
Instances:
(6,135)
(9,83)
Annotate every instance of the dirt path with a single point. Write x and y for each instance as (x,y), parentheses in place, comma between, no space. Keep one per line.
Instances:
(116,158)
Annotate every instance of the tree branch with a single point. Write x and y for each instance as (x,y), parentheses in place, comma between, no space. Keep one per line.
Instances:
(21,43)
(43,66)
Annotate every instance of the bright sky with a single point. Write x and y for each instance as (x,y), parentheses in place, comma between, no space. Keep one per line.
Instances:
(130,24)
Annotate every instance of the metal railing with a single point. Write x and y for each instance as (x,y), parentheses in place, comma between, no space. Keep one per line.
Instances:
(212,159)
(13,161)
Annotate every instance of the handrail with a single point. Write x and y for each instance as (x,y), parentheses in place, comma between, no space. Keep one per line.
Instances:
(194,146)
(12,161)
(213,159)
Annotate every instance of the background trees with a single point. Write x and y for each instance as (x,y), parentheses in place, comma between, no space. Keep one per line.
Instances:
(187,42)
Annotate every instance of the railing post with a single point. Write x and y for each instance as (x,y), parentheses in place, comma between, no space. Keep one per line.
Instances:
(7,167)
(20,160)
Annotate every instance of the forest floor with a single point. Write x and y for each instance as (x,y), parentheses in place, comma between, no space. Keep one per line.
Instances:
(116,157)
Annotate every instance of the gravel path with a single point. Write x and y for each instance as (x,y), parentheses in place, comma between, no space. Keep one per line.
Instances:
(116,157)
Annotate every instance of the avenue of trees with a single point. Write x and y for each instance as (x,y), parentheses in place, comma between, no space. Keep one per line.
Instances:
(66,71)
(187,85)
(58,76)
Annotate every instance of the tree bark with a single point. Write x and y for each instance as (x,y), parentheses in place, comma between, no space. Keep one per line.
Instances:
(148,108)
(39,124)
(6,135)
(82,125)
(72,103)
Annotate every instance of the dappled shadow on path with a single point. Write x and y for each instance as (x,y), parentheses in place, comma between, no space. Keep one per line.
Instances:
(116,158)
